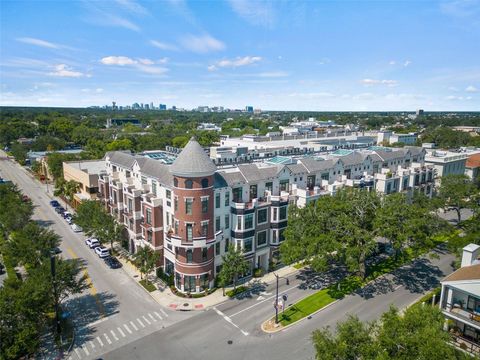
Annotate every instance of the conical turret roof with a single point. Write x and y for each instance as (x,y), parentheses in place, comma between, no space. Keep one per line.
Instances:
(193,161)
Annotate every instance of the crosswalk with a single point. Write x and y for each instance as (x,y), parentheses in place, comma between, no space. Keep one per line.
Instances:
(109,337)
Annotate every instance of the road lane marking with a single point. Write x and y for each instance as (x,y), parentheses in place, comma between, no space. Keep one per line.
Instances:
(92,344)
(262,301)
(93,291)
(121,332)
(152,317)
(163,312)
(134,326)
(84,347)
(78,353)
(100,341)
(148,321)
(127,328)
(398,287)
(114,335)
(227,319)
(140,322)
(158,315)
(108,339)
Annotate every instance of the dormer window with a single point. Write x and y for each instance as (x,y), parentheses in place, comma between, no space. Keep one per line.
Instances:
(204,183)
(188,184)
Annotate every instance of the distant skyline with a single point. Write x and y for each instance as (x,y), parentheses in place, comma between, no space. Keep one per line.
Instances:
(273,55)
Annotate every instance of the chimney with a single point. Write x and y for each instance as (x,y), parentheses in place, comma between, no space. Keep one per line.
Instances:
(470,254)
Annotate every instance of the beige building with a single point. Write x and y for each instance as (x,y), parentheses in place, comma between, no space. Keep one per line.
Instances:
(86,173)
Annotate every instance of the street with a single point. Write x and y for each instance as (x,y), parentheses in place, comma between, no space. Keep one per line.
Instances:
(116,319)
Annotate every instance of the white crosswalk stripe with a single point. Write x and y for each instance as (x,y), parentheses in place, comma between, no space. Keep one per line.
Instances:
(134,326)
(84,347)
(108,339)
(148,321)
(92,344)
(114,335)
(121,332)
(78,353)
(164,313)
(151,316)
(127,328)
(100,341)
(159,316)
(140,322)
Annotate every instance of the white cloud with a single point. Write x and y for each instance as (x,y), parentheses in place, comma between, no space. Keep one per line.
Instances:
(201,44)
(406,63)
(63,70)
(237,62)
(39,42)
(453,88)
(255,12)
(369,82)
(113,20)
(118,60)
(163,45)
(132,6)
(392,62)
(471,89)
(146,61)
(458,98)
(143,64)
(273,74)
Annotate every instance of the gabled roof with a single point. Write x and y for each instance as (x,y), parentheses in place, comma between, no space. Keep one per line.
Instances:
(389,155)
(233,178)
(352,159)
(121,158)
(193,161)
(415,150)
(473,161)
(297,168)
(471,272)
(313,165)
(157,170)
(253,173)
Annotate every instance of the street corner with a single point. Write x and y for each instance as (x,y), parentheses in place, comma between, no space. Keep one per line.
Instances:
(186,306)
(269,326)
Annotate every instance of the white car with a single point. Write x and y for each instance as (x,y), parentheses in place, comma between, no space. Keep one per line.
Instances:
(76,228)
(102,252)
(92,243)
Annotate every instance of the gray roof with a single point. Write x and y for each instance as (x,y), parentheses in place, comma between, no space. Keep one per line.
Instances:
(193,161)
(389,155)
(313,165)
(233,178)
(414,150)
(158,171)
(253,173)
(219,181)
(352,159)
(297,168)
(375,157)
(121,158)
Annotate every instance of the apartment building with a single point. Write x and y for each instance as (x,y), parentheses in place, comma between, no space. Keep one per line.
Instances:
(191,211)
(460,300)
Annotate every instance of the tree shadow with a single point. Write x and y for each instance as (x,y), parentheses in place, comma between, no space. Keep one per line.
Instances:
(311,279)
(377,287)
(418,277)
(87,309)
(44,223)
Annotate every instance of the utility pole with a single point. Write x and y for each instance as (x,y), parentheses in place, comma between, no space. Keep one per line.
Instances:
(276,295)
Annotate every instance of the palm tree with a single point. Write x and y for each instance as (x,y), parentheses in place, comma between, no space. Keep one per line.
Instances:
(67,189)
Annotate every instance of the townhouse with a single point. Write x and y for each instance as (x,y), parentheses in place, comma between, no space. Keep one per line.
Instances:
(192,210)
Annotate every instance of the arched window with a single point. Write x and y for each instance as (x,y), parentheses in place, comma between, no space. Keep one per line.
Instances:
(204,183)
(188,184)
(175,182)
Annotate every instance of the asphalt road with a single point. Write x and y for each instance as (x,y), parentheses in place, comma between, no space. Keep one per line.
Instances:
(115,310)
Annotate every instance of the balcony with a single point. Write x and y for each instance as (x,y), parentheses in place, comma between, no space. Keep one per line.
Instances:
(464,315)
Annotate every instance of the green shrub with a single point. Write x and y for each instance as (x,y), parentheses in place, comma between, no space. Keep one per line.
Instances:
(148,285)
(235,292)
(258,273)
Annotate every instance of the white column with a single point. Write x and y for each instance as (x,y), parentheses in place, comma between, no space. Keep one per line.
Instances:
(449,299)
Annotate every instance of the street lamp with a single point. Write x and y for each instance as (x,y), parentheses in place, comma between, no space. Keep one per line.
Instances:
(276,295)
(54,281)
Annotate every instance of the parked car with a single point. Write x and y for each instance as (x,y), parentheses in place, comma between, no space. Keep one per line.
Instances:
(76,228)
(92,243)
(56,250)
(67,214)
(112,262)
(102,252)
(54,203)
(60,210)
(25,198)
(69,220)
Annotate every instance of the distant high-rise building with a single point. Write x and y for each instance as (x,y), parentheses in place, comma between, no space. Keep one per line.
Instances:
(147,107)
(151,106)
(135,106)
(162,107)
(249,109)
(114,105)
(419,112)
(174,108)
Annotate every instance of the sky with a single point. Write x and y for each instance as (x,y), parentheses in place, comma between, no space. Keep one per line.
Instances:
(273,55)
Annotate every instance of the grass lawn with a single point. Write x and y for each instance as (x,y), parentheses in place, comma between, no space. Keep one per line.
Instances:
(306,307)
(148,285)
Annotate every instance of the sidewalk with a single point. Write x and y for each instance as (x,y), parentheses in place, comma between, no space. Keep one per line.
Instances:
(165,297)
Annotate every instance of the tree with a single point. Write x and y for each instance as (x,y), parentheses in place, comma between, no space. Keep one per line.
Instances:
(180,141)
(14,212)
(66,189)
(19,152)
(234,264)
(120,144)
(146,260)
(456,193)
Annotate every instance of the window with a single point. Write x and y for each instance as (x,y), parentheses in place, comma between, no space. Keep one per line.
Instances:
(130,205)
(167,217)
(325,176)
(176,227)
(310,181)
(204,254)
(188,184)
(175,204)
(127,173)
(227,199)
(205,228)
(189,232)
(262,238)
(154,187)
(284,185)
(405,183)
(253,192)
(189,284)
(248,221)
(262,216)
(275,214)
(148,219)
(204,183)
(188,206)
(149,236)
(227,244)
(227,221)
(175,182)
(217,248)
(283,213)
(144,180)
(217,200)
(237,195)
(269,186)
(247,245)
(204,205)
(217,223)
(168,194)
